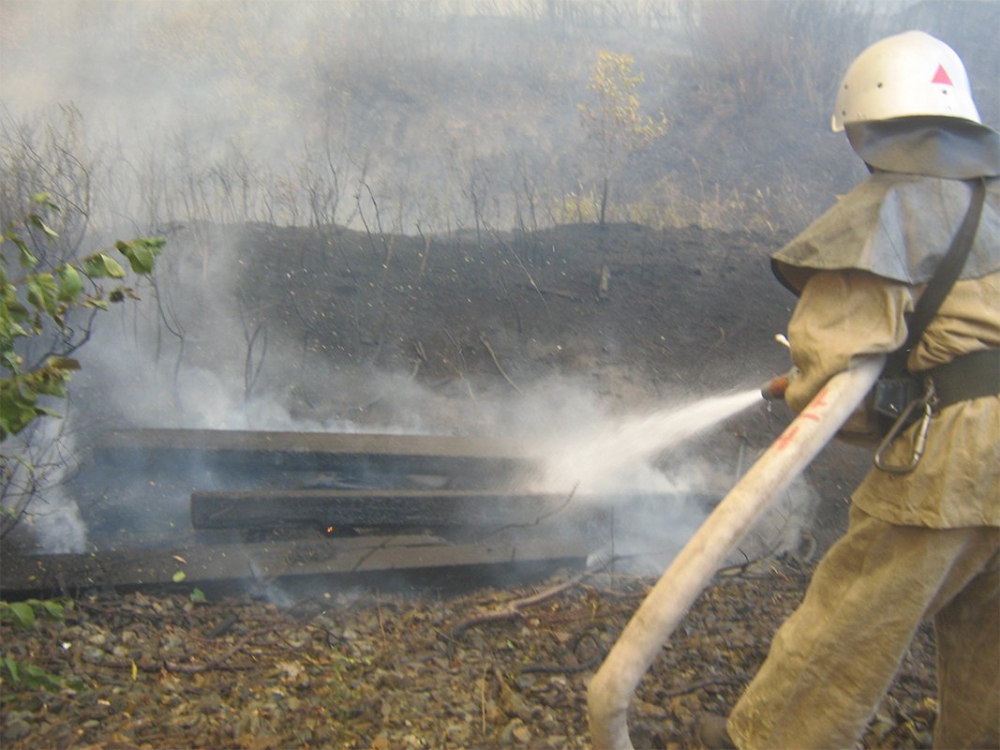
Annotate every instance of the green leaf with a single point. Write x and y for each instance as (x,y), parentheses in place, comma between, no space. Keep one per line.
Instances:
(10,417)
(44,200)
(26,259)
(141,253)
(63,363)
(25,388)
(43,293)
(11,359)
(197,596)
(70,284)
(100,265)
(113,267)
(35,676)
(19,396)
(24,615)
(16,309)
(54,610)
(11,666)
(179,576)
(50,382)
(141,259)
(35,296)
(36,221)
(44,411)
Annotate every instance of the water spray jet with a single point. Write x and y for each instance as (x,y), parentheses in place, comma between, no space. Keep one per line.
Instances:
(603,461)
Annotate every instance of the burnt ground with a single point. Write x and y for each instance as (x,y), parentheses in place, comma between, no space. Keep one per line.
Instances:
(474,323)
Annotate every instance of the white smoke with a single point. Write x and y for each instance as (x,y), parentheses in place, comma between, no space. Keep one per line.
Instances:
(55,518)
(46,459)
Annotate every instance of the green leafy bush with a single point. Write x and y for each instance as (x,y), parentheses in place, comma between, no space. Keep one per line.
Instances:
(24,615)
(43,297)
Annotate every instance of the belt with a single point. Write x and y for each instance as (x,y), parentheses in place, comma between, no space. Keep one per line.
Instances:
(966,377)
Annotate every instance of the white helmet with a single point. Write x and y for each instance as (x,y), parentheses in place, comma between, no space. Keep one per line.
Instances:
(906,75)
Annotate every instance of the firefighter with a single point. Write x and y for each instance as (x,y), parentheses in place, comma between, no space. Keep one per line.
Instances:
(923,540)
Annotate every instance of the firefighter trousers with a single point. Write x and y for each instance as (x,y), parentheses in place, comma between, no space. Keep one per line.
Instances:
(833,660)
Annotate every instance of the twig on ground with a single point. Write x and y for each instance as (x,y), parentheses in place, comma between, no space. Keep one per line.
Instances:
(690,689)
(567,669)
(172,666)
(527,273)
(421,358)
(482,700)
(460,373)
(381,622)
(555,292)
(512,610)
(493,356)
(738,568)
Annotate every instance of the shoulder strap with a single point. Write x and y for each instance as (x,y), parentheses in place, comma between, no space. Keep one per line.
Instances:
(944,278)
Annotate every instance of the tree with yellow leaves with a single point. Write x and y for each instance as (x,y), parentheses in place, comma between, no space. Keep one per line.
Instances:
(613,118)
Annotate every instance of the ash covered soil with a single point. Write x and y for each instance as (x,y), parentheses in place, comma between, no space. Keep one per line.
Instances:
(635,317)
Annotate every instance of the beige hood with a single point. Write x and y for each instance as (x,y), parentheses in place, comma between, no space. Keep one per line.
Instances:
(896,226)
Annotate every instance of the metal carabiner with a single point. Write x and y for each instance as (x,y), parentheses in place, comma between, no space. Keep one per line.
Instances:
(926,402)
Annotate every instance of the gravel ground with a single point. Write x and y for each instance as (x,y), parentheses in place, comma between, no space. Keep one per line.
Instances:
(482,669)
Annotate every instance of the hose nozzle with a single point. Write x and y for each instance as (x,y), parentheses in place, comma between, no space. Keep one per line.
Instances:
(774,389)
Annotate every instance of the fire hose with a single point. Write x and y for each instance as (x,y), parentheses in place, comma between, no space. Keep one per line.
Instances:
(611,689)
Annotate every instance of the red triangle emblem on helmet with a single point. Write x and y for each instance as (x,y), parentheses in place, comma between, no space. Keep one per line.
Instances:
(942,77)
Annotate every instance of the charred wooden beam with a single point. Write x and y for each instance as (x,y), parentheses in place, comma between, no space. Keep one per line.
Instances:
(389,508)
(316,451)
(268,562)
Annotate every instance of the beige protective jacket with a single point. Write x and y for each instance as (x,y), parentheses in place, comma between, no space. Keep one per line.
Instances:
(957,482)
(845,312)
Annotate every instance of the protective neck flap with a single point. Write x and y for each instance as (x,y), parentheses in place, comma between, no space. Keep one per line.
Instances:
(932,146)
